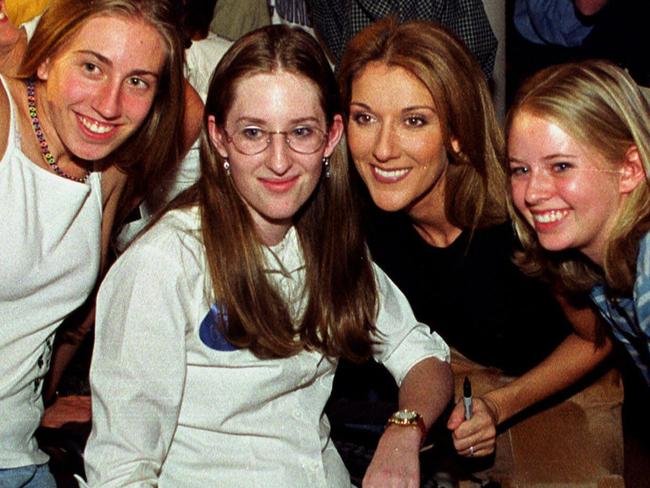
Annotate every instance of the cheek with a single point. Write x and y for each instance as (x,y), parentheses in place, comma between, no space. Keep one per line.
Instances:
(579,189)
(427,151)
(68,89)
(314,168)
(360,142)
(518,190)
(137,107)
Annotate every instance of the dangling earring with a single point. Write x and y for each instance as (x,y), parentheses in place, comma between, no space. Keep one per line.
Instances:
(226,166)
(326,167)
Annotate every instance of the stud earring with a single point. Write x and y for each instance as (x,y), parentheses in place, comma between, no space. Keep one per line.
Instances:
(226,166)
(326,167)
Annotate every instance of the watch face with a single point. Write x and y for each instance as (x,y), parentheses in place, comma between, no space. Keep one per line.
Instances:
(405,415)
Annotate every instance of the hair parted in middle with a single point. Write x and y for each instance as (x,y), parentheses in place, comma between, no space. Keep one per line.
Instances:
(340,288)
(599,105)
(475,178)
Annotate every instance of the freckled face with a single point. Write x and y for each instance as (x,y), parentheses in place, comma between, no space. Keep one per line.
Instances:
(395,138)
(99,89)
(277,181)
(567,193)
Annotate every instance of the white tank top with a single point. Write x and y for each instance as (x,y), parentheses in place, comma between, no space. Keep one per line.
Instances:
(49,260)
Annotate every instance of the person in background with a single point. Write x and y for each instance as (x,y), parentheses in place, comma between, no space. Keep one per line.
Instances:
(23,11)
(548,32)
(15,32)
(578,153)
(203,51)
(95,94)
(337,21)
(220,328)
(425,141)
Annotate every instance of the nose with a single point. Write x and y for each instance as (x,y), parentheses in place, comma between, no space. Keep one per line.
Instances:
(278,159)
(538,187)
(386,145)
(107,101)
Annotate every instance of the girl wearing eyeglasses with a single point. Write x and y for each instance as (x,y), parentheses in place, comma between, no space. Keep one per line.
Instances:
(219,330)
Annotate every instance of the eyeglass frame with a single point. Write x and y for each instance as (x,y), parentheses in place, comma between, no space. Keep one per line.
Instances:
(270,133)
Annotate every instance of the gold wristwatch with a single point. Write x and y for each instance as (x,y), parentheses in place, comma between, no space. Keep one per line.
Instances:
(408,418)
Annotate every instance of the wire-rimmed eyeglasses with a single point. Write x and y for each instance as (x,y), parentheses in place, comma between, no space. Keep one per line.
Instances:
(303,139)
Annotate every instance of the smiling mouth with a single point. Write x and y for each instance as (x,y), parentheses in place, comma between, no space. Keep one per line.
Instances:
(550,216)
(390,174)
(95,127)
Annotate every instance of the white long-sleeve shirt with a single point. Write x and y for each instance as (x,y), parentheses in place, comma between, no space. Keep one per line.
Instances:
(175,405)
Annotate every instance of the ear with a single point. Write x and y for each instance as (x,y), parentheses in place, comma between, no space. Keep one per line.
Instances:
(633,172)
(455,145)
(217,137)
(43,70)
(334,135)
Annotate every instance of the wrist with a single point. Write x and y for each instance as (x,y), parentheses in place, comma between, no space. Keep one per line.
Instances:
(493,409)
(408,419)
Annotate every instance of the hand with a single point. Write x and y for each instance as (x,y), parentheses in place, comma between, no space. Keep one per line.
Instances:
(67,409)
(476,436)
(396,463)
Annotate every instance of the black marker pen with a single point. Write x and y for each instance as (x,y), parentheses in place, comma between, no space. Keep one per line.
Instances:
(467,398)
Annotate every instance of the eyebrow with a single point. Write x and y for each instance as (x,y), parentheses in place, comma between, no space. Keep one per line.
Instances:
(559,155)
(548,157)
(255,120)
(105,60)
(405,109)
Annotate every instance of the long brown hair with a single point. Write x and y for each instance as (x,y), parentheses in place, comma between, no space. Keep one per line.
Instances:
(152,151)
(474,186)
(340,290)
(599,105)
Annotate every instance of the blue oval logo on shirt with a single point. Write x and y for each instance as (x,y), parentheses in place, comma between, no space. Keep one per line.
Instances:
(210,334)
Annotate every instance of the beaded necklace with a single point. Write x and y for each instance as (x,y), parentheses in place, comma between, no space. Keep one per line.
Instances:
(45,150)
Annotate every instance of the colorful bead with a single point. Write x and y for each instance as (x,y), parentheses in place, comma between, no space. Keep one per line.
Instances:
(45,150)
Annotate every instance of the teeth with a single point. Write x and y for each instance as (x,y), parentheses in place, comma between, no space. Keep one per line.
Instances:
(2,16)
(395,173)
(94,126)
(552,216)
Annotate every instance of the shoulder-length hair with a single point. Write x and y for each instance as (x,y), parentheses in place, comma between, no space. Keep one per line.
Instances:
(474,185)
(339,283)
(152,150)
(601,107)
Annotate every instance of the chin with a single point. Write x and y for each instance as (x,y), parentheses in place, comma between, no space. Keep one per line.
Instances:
(390,204)
(94,153)
(554,245)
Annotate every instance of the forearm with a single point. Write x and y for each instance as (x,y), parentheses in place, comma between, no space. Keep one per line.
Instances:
(427,389)
(569,362)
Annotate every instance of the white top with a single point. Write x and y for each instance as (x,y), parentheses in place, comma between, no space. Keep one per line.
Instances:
(30,26)
(49,260)
(175,405)
(201,58)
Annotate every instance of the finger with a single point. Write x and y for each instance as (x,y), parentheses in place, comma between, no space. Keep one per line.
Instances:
(481,449)
(456,417)
(478,441)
